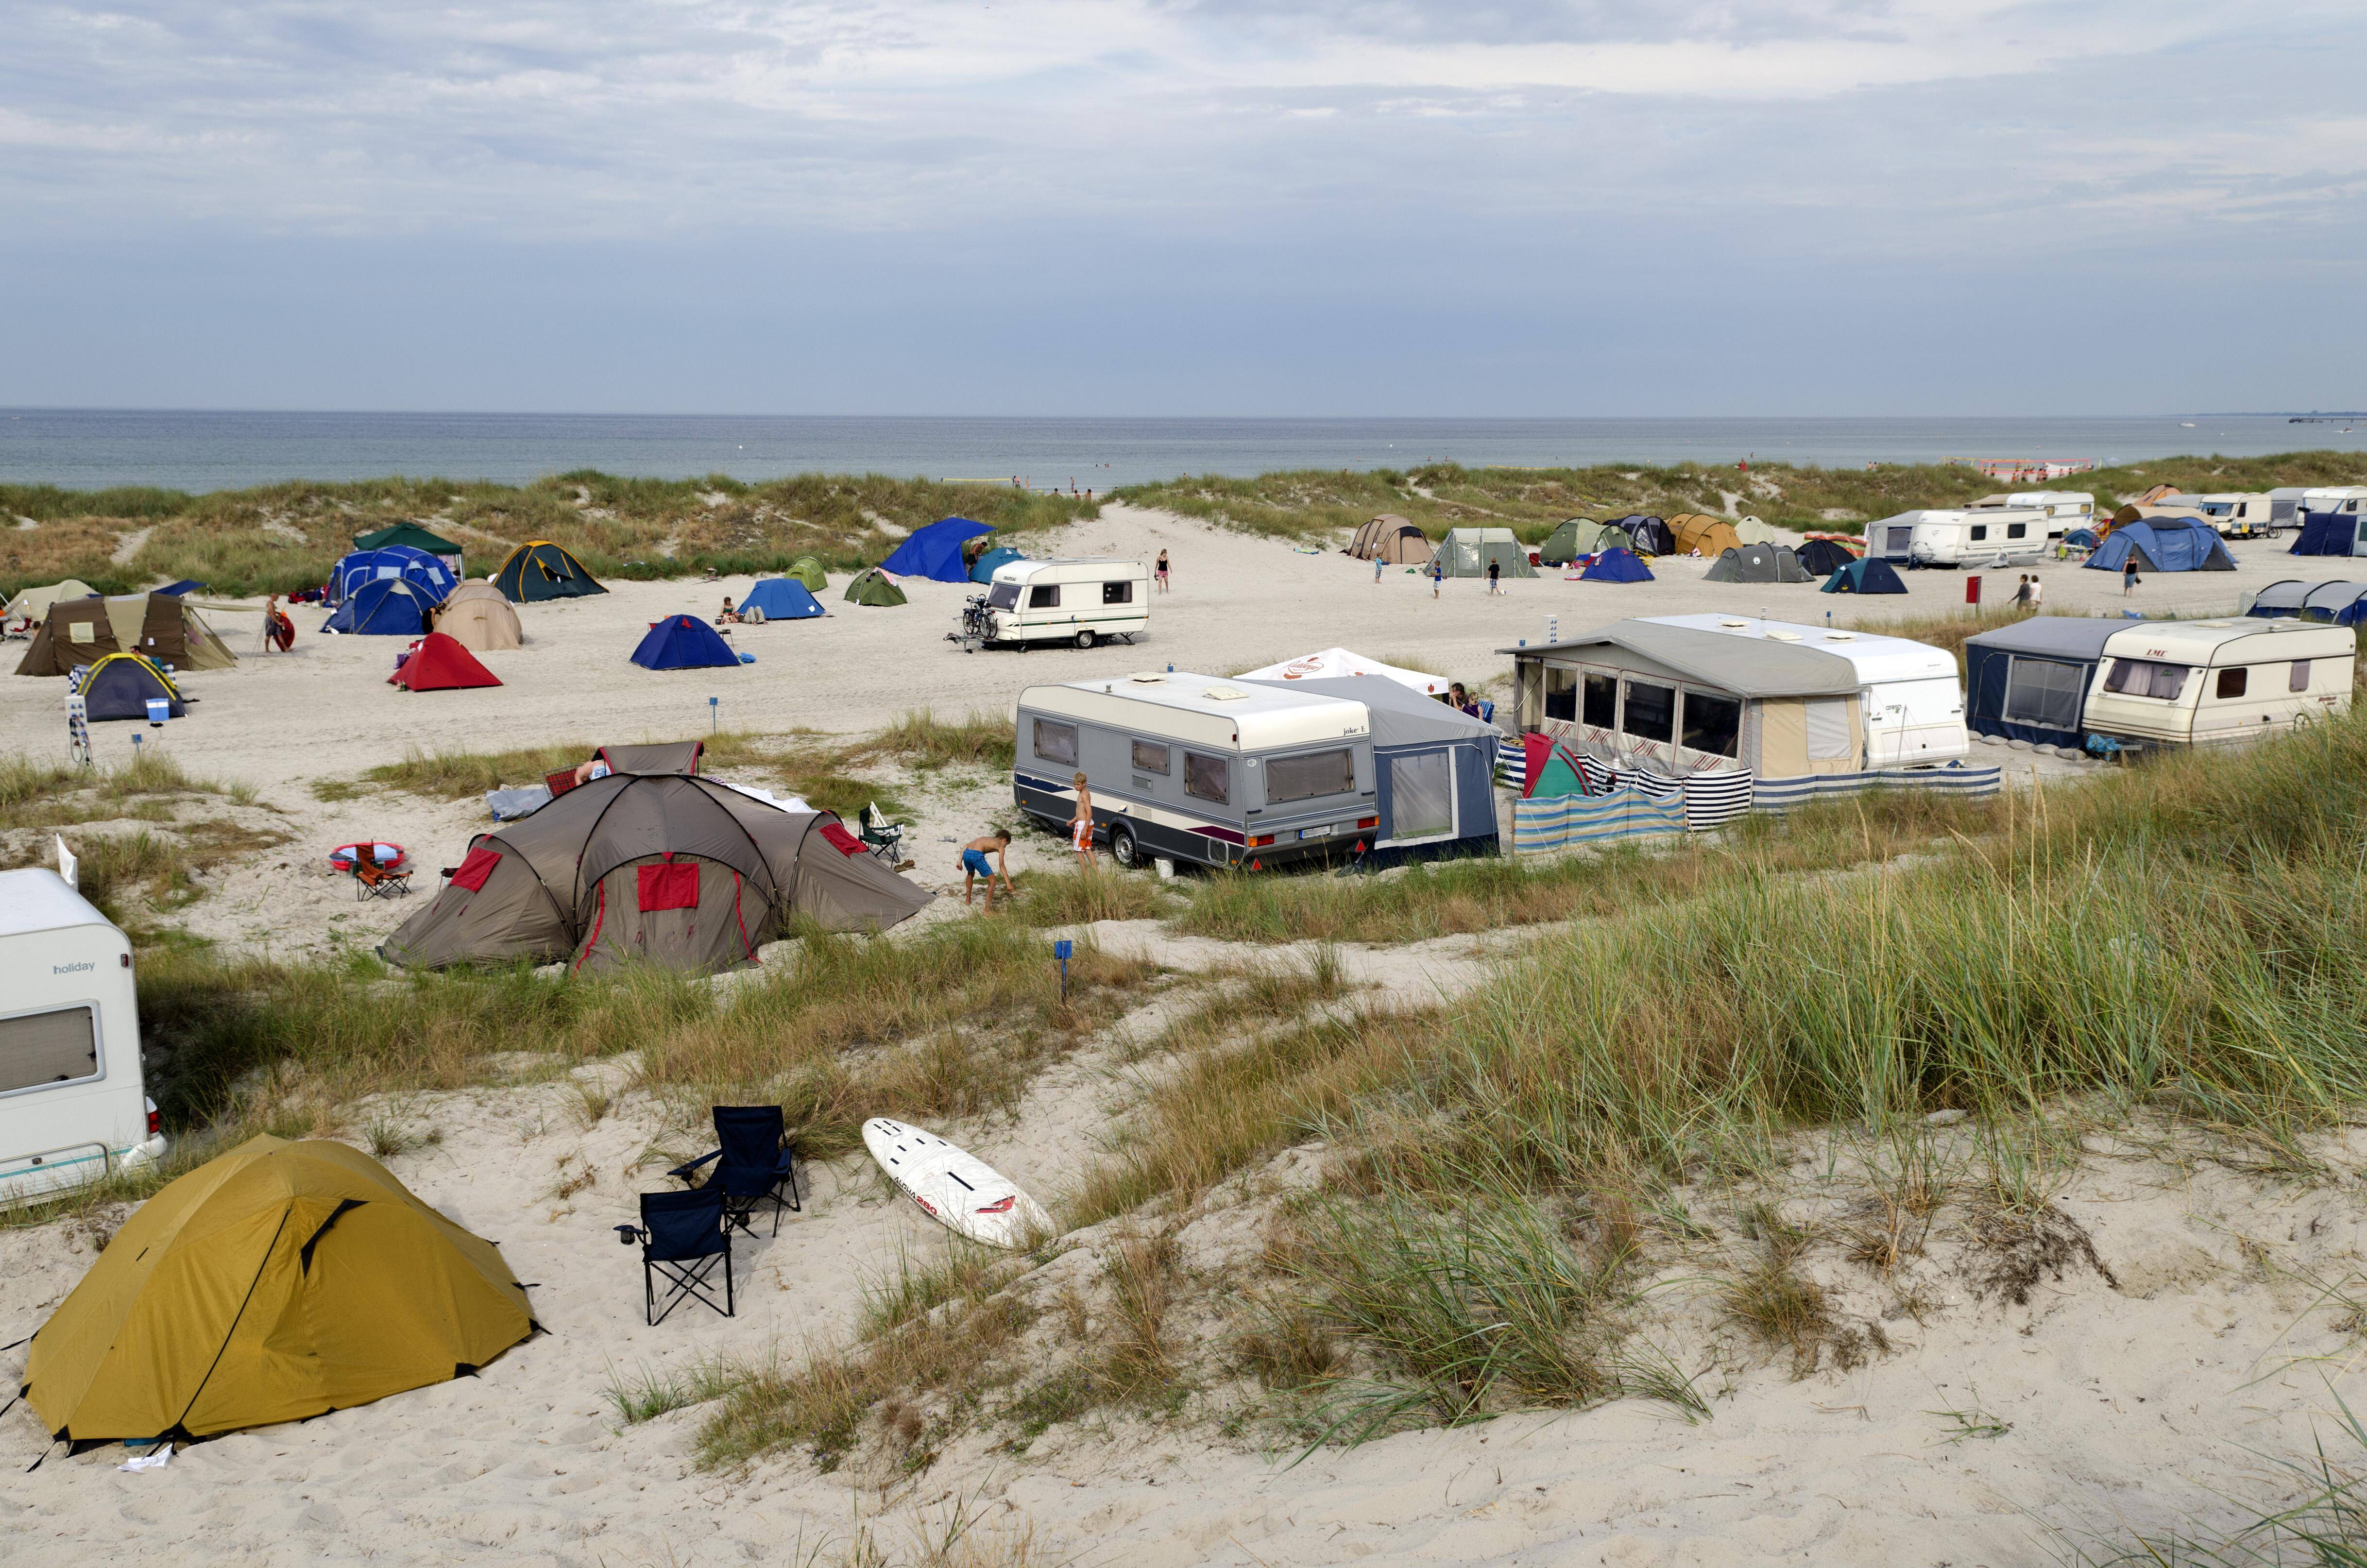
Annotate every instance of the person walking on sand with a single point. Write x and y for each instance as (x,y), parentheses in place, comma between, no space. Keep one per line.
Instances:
(1377,565)
(1495,573)
(2037,592)
(1081,826)
(1159,572)
(2021,591)
(2129,574)
(974,866)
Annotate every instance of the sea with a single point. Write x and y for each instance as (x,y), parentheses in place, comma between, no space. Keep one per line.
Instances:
(199,450)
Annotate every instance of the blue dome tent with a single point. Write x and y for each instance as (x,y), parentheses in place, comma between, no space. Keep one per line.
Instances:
(782,598)
(1616,566)
(396,561)
(1001,555)
(1871,576)
(935,551)
(2164,544)
(384,606)
(682,642)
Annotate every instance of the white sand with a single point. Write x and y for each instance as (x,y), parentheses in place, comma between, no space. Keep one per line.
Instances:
(2124,1402)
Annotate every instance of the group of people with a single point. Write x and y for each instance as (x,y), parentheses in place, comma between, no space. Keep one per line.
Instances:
(2028,593)
(976,867)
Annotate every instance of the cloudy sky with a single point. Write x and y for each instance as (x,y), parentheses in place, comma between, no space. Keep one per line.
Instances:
(1318,206)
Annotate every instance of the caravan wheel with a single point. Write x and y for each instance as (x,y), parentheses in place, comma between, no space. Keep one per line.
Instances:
(1086,639)
(1123,849)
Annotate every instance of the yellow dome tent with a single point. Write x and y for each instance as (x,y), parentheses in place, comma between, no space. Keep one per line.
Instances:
(277,1281)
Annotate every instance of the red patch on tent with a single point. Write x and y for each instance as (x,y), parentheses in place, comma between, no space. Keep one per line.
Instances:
(473,871)
(1536,749)
(843,841)
(670,886)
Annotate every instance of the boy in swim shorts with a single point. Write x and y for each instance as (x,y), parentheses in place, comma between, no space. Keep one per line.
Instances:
(1081,826)
(974,865)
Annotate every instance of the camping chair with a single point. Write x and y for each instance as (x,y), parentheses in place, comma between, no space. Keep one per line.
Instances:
(882,838)
(682,1236)
(373,881)
(756,1163)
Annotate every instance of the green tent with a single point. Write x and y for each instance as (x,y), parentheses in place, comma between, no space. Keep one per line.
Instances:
(1559,777)
(1568,542)
(871,586)
(1466,553)
(807,570)
(410,534)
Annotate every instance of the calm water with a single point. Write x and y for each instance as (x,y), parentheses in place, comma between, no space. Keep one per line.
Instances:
(184,451)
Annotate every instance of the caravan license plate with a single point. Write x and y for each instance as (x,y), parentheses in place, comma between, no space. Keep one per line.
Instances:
(1323,832)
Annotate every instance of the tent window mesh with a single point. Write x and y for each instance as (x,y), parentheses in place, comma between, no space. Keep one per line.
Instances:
(48,1048)
(1310,776)
(2299,679)
(1421,801)
(1651,711)
(1829,729)
(1056,743)
(2148,678)
(1603,701)
(1561,693)
(2045,693)
(1713,724)
(1207,778)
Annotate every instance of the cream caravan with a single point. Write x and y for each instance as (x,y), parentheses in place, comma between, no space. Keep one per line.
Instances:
(1954,537)
(2219,682)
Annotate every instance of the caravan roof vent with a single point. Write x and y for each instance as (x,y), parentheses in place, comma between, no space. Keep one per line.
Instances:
(1224,694)
(1146,677)
(1783,637)
(1733,623)
(1840,636)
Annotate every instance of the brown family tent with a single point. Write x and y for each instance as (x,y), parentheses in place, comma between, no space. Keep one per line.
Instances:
(666,757)
(479,615)
(275,1282)
(1713,537)
(156,626)
(1392,539)
(685,873)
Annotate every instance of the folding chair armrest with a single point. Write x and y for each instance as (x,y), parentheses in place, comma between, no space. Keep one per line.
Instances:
(684,1171)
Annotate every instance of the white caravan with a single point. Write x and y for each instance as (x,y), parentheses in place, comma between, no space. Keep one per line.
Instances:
(2236,513)
(72,1105)
(1083,600)
(1954,535)
(1913,701)
(2219,682)
(2065,509)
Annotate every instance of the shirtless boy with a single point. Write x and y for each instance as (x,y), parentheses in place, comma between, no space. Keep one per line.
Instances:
(974,866)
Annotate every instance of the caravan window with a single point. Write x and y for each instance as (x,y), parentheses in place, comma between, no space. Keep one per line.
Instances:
(2232,682)
(1561,693)
(2044,692)
(1207,778)
(2298,680)
(1651,711)
(1980,530)
(2017,530)
(1003,596)
(1047,596)
(1714,724)
(2148,678)
(1118,593)
(1151,756)
(48,1048)
(1308,778)
(1603,701)
(1056,743)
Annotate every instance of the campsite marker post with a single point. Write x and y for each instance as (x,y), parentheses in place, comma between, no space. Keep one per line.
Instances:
(1060,950)
(714,716)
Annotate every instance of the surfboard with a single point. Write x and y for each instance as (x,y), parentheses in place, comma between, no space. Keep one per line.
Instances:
(955,1188)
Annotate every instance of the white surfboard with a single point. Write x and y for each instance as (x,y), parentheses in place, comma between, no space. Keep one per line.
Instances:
(955,1188)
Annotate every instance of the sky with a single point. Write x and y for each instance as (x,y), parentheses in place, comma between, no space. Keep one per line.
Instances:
(1185,207)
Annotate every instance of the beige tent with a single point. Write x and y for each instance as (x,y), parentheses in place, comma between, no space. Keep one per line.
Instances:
(33,604)
(661,869)
(1751,531)
(1713,537)
(1392,539)
(479,615)
(157,626)
(2157,495)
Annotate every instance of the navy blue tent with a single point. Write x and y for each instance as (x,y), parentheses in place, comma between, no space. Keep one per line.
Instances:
(395,561)
(1871,576)
(2081,539)
(998,556)
(2164,544)
(935,551)
(2326,533)
(2029,681)
(782,598)
(1823,557)
(385,606)
(185,585)
(682,642)
(1651,535)
(1615,566)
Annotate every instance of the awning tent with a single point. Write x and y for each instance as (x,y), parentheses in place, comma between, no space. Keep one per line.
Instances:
(1468,552)
(1870,575)
(2164,544)
(1822,557)
(393,563)
(1434,766)
(120,686)
(2326,533)
(441,663)
(1576,537)
(1756,564)
(872,586)
(935,551)
(781,599)
(275,1282)
(684,643)
(1339,664)
(685,873)
(477,616)
(2029,681)
(539,570)
(1616,566)
(165,629)
(384,606)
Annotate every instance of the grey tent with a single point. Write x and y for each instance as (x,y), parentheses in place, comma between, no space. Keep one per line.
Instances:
(1466,552)
(1575,538)
(1433,765)
(663,868)
(1756,564)
(668,757)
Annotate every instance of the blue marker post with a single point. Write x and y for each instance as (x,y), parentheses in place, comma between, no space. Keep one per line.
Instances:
(1061,950)
(714,716)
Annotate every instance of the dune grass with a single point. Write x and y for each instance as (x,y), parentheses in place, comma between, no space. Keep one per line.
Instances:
(136,874)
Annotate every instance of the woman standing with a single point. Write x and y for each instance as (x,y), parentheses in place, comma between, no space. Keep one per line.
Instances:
(1161,573)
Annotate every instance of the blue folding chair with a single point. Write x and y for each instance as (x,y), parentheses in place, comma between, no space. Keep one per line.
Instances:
(683,1237)
(754,1164)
